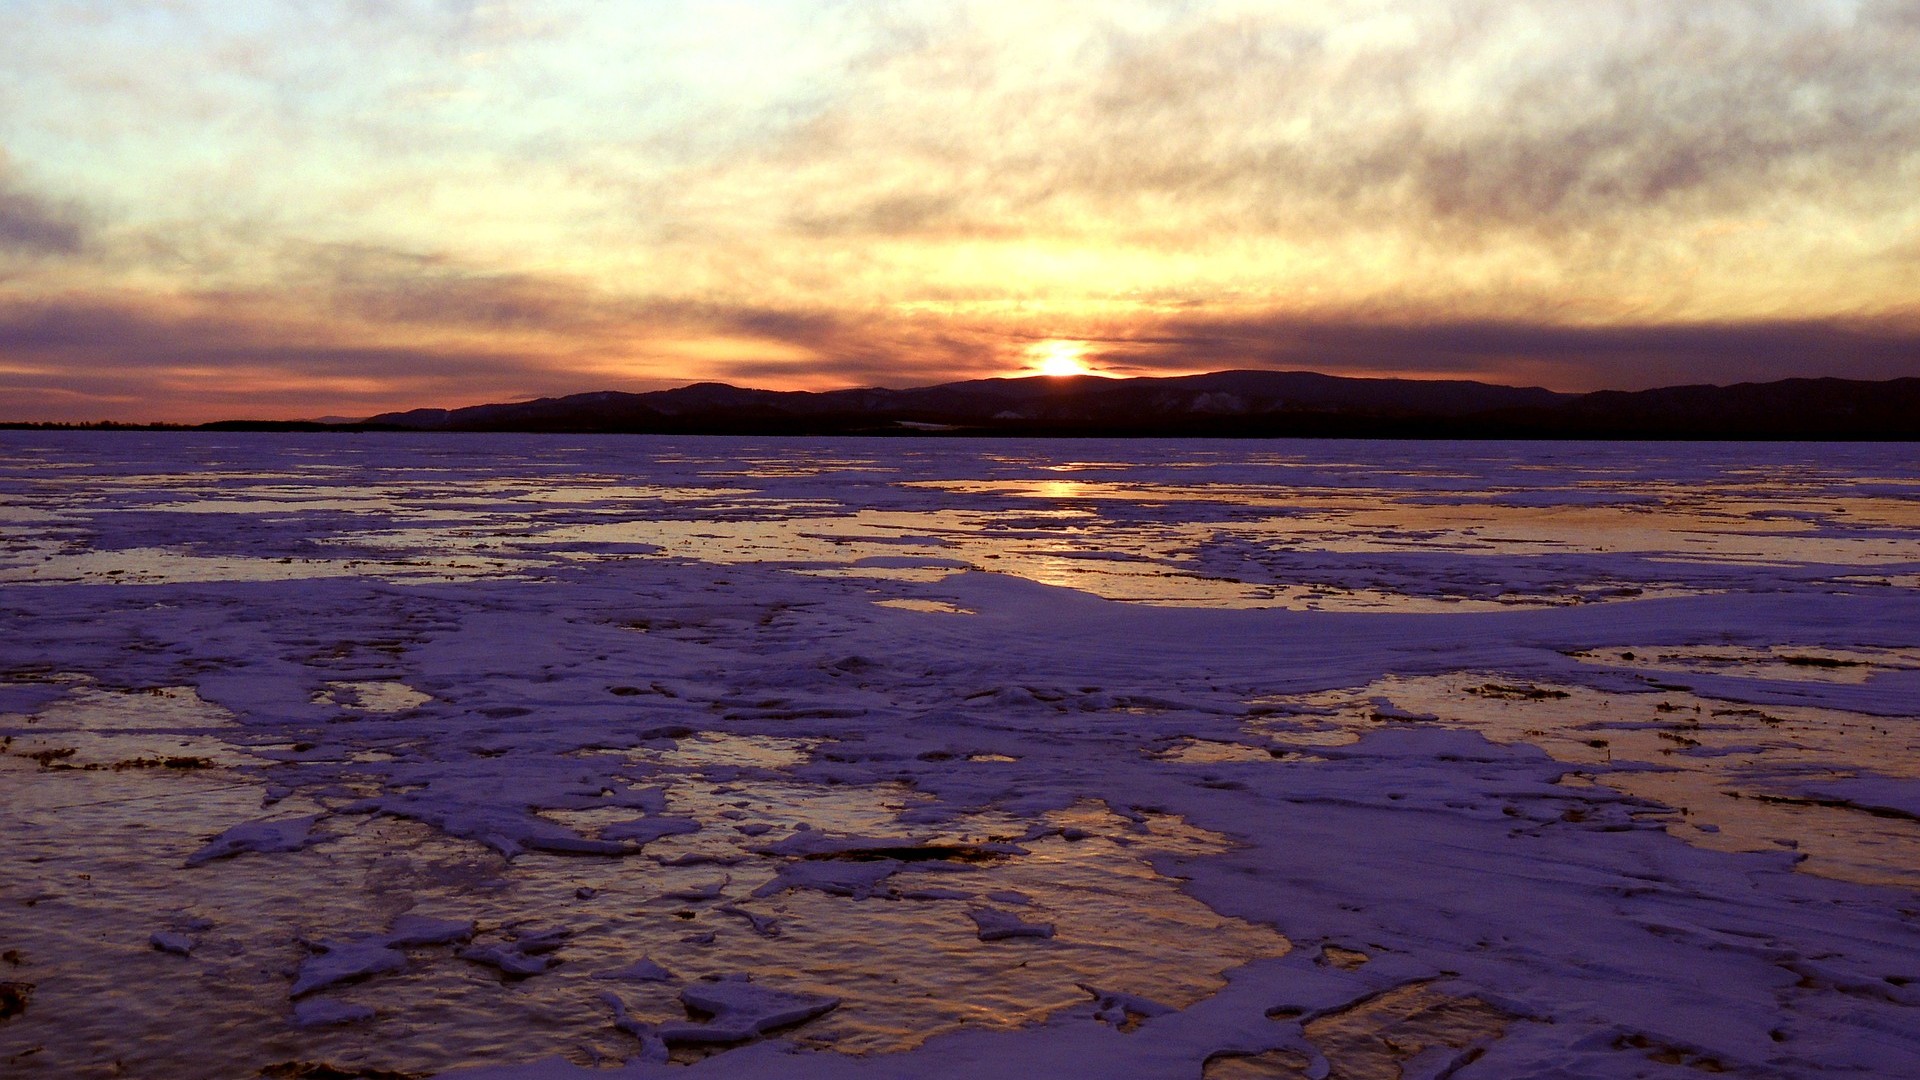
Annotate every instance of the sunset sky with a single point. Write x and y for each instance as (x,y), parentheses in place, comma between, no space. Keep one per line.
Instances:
(277,210)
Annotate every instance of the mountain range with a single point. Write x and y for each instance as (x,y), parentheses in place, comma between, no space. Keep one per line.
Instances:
(1225,403)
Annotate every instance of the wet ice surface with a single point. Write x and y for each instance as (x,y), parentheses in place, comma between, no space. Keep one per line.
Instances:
(935,758)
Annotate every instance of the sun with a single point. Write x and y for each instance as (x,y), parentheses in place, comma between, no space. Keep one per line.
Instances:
(1057,357)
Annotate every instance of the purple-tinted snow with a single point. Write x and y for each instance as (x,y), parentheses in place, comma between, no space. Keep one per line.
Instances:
(635,755)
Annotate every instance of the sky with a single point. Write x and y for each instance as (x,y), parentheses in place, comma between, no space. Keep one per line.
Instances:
(339,207)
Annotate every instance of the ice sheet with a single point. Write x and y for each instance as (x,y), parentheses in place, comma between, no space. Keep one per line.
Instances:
(503,753)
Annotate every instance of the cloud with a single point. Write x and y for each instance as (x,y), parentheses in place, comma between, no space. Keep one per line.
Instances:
(214,357)
(1459,122)
(33,225)
(437,203)
(451,339)
(1562,357)
(160,358)
(387,285)
(792,345)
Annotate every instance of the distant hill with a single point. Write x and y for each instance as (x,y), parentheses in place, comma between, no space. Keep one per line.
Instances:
(1225,403)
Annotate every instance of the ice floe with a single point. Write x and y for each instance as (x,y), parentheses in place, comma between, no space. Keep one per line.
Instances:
(738,1010)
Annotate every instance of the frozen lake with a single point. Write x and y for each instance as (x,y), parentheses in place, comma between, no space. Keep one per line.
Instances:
(546,756)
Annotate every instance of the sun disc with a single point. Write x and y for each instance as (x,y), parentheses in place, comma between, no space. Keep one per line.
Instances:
(1060,358)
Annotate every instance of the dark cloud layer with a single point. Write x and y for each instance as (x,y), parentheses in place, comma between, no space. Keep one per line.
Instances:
(96,358)
(386,285)
(221,356)
(1568,357)
(31,224)
(81,360)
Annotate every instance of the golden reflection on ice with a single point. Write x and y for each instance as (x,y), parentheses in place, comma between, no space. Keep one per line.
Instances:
(1740,778)
(99,728)
(1250,529)
(1651,518)
(374,697)
(932,607)
(906,961)
(717,748)
(1797,664)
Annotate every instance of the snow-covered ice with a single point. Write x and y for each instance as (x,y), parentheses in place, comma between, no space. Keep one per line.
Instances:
(528,757)
(738,1010)
(168,941)
(290,834)
(315,1012)
(641,970)
(996,925)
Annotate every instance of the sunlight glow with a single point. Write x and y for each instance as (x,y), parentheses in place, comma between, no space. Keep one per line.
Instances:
(1056,357)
